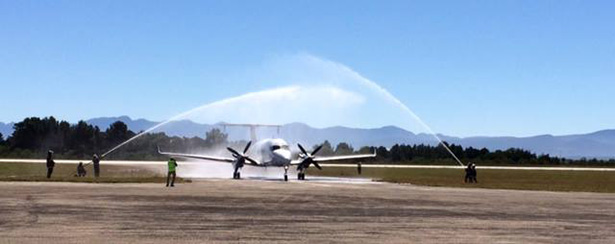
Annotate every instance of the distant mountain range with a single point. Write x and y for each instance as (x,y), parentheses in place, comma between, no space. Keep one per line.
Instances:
(599,144)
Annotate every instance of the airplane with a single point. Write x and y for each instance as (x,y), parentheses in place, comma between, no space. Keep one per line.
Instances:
(271,153)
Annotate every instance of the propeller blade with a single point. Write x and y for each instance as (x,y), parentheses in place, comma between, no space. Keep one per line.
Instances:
(302,150)
(316,150)
(252,161)
(317,166)
(235,153)
(247,147)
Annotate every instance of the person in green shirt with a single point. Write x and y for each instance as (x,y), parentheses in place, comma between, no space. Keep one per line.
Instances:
(172,165)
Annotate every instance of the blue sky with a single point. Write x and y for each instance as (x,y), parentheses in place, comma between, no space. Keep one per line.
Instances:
(465,67)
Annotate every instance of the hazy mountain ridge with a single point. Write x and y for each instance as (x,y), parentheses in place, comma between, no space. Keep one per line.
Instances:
(600,144)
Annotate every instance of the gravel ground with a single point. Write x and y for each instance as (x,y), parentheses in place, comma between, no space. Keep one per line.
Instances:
(257,211)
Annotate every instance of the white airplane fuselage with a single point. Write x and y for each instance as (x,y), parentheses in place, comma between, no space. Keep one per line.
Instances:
(271,152)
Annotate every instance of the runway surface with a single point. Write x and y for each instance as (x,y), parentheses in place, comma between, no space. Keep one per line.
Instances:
(257,211)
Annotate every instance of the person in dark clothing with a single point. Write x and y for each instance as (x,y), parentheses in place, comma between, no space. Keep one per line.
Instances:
(81,170)
(359,168)
(50,163)
(96,164)
(172,164)
(473,174)
(468,178)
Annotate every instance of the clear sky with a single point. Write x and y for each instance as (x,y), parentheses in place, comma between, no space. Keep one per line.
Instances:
(466,67)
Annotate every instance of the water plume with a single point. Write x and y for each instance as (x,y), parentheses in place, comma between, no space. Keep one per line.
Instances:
(323,93)
(259,106)
(389,97)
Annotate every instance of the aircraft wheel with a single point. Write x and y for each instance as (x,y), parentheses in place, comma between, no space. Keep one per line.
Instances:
(238,175)
(285,177)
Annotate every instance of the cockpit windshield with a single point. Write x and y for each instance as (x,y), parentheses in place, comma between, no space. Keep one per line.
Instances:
(276,147)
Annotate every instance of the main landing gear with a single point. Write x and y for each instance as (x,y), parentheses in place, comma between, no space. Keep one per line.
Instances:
(237,175)
(301,175)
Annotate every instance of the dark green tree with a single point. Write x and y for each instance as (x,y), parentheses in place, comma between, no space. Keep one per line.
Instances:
(118,132)
(82,138)
(382,153)
(326,150)
(36,134)
(366,150)
(215,137)
(396,154)
(343,148)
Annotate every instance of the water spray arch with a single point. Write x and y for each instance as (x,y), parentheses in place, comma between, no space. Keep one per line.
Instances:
(312,90)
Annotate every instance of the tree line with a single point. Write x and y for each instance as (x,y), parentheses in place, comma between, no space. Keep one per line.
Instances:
(428,154)
(33,136)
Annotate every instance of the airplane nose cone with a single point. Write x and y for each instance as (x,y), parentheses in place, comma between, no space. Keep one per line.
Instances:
(283,154)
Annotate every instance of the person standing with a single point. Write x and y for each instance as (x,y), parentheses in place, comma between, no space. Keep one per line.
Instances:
(96,163)
(468,178)
(172,165)
(50,163)
(473,175)
(359,167)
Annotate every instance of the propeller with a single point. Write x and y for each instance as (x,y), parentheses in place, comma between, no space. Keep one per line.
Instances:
(308,158)
(241,157)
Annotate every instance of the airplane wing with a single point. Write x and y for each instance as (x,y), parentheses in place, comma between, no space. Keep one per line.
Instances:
(337,158)
(197,156)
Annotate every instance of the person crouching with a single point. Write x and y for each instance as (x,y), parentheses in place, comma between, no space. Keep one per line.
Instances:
(81,170)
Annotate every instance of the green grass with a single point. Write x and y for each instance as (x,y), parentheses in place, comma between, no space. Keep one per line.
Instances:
(545,180)
(66,172)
